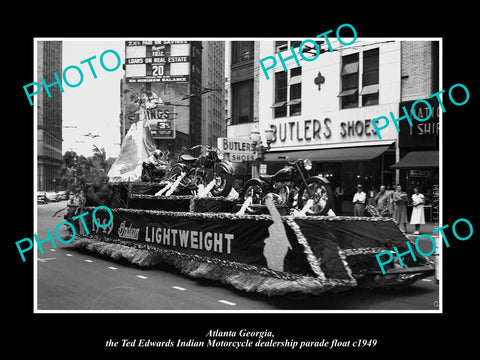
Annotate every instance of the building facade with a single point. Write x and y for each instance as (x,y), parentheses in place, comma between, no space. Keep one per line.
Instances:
(167,76)
(322,108)
(49,116)
(213,95)
(419,145)
(242,86)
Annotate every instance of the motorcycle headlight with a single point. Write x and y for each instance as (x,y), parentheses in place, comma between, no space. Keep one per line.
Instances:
(220,154)
(307,163)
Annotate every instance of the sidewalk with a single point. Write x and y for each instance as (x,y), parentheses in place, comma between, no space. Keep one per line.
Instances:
(427,228)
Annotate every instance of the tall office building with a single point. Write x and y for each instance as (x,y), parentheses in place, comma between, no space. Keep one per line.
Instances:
(213,94)
(166,76)
(49,115)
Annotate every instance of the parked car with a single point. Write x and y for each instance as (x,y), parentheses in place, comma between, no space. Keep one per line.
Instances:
(52,196)
(63,195)
(42,197)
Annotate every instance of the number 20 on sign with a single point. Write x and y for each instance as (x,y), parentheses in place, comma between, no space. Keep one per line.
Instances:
(157,70)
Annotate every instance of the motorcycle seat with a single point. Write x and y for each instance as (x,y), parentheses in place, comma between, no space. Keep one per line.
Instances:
(266,178)
(187,157)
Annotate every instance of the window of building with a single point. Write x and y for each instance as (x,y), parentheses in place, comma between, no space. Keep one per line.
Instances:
(280,104)
(285,45)
(288,93)
(281,46)
(242,51)
(309,50)
(370,81)
(349,77)
(295,83)
(295,44)
(350,94)
(242,102)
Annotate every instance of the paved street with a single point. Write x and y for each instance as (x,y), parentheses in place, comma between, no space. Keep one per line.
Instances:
(72,279)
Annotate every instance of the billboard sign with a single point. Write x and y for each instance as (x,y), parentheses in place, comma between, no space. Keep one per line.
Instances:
(157,61)
(153,42)
(162,129)
(159,79)
(161,122)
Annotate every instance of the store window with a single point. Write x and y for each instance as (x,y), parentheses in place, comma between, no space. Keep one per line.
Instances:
(288,93)
(242,102)
(369,91)
(349,78)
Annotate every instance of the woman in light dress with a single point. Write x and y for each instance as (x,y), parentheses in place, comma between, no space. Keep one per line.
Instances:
(418,213)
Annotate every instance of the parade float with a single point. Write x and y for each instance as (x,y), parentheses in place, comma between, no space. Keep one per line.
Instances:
(271,239)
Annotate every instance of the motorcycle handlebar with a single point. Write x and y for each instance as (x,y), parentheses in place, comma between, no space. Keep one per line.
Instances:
(290,160)
(207,147)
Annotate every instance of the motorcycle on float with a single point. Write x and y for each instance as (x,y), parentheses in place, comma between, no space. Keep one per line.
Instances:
(291,187)
(154,172)
(201,170)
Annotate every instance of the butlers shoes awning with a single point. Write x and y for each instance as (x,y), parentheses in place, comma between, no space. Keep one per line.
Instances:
(357,153)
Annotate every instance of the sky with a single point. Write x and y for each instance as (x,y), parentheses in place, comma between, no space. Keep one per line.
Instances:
(93,106)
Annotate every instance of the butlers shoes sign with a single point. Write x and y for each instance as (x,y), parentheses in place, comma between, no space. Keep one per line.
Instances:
(237,149)
(338,128)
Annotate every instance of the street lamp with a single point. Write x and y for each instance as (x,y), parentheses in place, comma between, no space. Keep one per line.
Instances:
(259,148)
(257,142)
(269,136)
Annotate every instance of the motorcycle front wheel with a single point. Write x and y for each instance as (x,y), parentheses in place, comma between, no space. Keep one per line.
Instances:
(223,184)
(253,189)
(321,194)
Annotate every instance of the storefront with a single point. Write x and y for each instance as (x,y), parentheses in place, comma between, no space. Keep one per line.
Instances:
(419,155)
(346,167)
(343,147)
(323,111)
(350,166)
(420,169)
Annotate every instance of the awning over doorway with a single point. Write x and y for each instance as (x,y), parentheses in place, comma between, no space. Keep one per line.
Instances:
(358,153)
(418,159)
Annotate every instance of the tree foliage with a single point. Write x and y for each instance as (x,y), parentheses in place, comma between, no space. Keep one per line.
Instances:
(78,170)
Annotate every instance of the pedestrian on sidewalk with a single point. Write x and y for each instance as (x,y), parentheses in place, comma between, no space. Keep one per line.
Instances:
(372,196)
(338,196)
(389,190)
(383,200)
(400,199)
(359,201)
(418,213)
